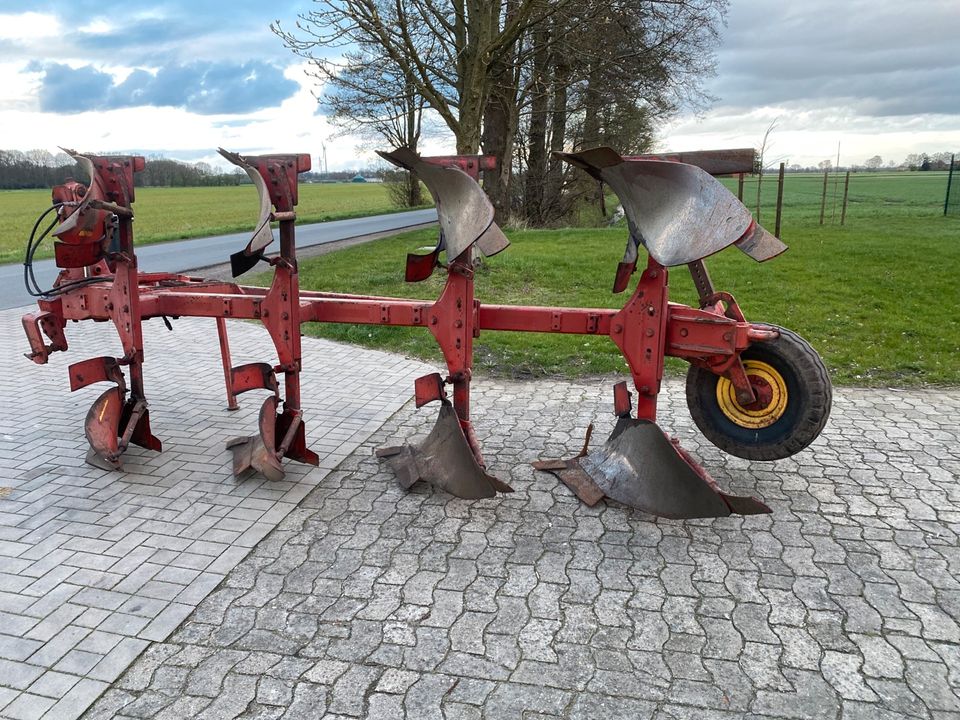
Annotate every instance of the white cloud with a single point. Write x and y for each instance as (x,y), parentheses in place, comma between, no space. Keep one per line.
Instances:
(17,90)
(98,26)
(27,27)
(290,127)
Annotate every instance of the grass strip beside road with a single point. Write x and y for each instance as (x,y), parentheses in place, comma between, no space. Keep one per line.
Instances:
(164,214)
(877,300)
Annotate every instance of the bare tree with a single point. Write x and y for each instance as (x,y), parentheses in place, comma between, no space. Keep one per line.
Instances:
(613,71)
(372,98)
(761,159)
(445,49)
(517,78)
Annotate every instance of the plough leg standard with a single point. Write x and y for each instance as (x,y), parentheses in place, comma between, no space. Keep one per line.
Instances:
(755,390)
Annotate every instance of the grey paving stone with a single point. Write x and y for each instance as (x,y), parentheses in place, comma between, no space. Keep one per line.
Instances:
(53,684)
(17,648)
(18,675)
(78,662)
(6,696)
(131,554)
(28,707)
(117,659)
(77,699)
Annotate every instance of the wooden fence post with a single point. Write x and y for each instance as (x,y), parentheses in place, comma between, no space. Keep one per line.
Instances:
(946,202)
(823,196)
(779,199)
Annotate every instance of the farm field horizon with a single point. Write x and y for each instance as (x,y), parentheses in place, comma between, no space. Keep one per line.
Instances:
(165,214)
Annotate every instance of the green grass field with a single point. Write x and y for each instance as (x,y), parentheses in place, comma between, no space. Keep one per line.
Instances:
(877,297)
(177,213)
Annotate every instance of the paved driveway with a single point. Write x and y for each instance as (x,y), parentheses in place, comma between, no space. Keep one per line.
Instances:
(369,602)
(359,600)
(95,566)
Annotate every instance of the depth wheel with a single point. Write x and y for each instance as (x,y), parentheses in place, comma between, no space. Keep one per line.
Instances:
(793,400)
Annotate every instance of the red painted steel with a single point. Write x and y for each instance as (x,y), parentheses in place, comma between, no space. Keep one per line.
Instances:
(225,360)
(472,165)
(646,329)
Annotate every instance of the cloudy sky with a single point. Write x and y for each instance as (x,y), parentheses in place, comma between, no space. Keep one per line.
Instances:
(876,76)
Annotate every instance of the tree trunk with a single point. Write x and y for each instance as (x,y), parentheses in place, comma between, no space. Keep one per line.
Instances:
(591,120)
(499,129)
(467,129)
(413,110)
(468,138)
(533,193)
(500,120)
(414,196)
(558,133)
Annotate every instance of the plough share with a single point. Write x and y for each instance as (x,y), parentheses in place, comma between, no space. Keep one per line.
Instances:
(754,390)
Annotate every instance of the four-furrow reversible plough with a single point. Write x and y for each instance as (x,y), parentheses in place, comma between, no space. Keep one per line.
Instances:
(755,390)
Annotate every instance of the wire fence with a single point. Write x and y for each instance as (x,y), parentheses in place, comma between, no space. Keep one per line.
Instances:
(813,198)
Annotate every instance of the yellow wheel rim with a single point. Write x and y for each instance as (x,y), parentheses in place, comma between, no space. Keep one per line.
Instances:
(766,382)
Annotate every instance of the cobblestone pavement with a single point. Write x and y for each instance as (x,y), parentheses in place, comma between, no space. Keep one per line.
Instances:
(94,565)
(370,602)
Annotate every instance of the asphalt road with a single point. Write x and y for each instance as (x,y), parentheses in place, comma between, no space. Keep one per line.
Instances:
(185,255)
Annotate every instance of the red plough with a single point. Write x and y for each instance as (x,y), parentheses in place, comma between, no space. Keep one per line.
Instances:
(755,390)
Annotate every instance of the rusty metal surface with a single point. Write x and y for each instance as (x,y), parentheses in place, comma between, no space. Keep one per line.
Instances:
(492,241)
(464,211)
(760,244)
(574,477)
(420,267)
(135,423)
(263,234)
(640,467)
(259,451)
(444,459)
(94,370)
(428,388)
(36,325)
(253,376)
(77,219)
(701,280)
(226,363)
(102,429)
(715,162)
(295,439)
(472,165)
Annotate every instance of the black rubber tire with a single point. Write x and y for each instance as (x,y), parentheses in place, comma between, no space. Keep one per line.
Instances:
(809,396)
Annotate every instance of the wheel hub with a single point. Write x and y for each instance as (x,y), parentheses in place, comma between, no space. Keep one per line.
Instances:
(770,390)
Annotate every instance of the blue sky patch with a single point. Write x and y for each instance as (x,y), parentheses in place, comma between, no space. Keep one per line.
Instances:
(204,88)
